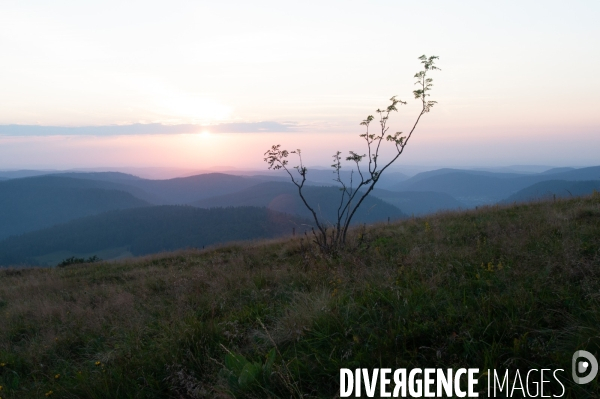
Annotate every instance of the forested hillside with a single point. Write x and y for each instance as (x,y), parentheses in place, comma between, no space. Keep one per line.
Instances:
(419,202)
(283,197)
(33,203)
(554,189)
(147,230)
(474,187)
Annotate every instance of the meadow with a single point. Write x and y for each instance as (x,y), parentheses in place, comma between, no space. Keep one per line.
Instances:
(499,287)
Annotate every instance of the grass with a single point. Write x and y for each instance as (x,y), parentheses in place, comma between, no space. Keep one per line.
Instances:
(513,287)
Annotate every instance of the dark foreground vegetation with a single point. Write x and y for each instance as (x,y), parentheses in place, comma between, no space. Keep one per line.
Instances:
(512,287)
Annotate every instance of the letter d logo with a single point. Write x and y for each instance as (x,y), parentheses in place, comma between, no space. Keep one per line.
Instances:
(583,367)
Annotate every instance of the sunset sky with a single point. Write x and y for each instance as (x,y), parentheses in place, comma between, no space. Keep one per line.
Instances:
(519,82)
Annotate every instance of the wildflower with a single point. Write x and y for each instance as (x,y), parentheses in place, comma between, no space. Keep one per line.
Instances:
(57,376)
(2,364)
(500,267)
(98,363)
(0,389)
(477,275)
(49,393)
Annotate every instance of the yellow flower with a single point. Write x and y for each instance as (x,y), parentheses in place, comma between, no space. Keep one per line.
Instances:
(48,393)
(57,376)
(0,388)
(2,364)
(98,363)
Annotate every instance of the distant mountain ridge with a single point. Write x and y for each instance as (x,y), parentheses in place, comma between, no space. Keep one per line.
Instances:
(475,187)
(180,190)
(46,203)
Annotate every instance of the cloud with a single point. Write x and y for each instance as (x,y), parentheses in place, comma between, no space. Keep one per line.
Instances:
(142,129)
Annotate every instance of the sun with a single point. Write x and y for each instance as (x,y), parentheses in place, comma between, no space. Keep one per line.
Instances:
(205,133)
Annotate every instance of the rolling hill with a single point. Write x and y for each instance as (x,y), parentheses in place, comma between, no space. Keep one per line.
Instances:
(324,177)
(477,187)
(418,202)
(33,203)
(18,174)
(548,189)
(283,197)
(146,230)
(181,190)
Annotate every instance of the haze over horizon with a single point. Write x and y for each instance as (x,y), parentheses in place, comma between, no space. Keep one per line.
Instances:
(193,86)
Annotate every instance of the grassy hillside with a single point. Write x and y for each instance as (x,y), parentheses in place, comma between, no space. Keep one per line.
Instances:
(143,231)
(504,287)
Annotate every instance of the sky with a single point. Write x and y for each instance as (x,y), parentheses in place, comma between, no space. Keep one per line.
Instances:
(215,84)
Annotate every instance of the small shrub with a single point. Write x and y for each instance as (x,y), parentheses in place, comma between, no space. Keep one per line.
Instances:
(74,261)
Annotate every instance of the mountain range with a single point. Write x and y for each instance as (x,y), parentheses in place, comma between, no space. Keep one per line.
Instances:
(46,205)
(480,187)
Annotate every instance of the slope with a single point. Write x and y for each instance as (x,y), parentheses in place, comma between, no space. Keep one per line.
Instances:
(476,188)
(33,203)
(181,190)
(146,230)
(502,288)
(418,202)
(554,188)
(283,197)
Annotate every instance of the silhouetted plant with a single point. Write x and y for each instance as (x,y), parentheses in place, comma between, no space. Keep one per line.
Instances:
(352,197)
(74,261)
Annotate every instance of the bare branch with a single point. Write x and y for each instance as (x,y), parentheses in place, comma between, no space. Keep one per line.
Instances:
(352,198)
